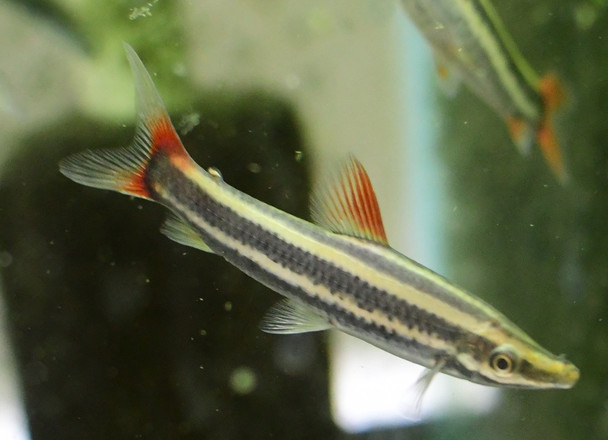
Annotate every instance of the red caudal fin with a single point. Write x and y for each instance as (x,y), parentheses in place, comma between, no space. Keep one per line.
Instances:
(124,169)
(553,96)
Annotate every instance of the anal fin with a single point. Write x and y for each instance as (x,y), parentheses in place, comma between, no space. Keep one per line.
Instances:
(522,133)
(289,317)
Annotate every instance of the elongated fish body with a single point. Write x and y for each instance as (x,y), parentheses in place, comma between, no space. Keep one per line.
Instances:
(339,273)
(468,37)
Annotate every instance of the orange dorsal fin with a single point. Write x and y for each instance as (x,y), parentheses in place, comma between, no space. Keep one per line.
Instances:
(346,204)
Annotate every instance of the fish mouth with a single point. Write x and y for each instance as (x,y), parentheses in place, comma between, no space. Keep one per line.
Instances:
(569,376)
(551,374)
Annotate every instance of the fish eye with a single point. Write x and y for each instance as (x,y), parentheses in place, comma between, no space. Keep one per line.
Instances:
(503,361)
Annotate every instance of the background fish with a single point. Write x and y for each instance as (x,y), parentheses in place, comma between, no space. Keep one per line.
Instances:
(471,44)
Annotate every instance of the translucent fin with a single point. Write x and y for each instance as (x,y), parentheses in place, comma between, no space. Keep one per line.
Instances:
(124,169)
(523,133)
(181,232)
(424,381)
(290,316)
(449,79)
(148,103)
(119,170)
(347,204)
(553,97)
(421,386)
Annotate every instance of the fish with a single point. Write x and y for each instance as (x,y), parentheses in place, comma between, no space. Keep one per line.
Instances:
(336,272)
(471,44)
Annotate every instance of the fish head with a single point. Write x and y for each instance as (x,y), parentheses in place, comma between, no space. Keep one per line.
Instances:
(528,367)
(508,357)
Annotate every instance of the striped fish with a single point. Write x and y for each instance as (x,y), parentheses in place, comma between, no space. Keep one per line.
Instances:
(339,273)
(469,39)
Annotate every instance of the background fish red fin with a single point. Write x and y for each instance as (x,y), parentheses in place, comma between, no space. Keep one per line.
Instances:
(124,169)
(346,204)
(522,132)
(553,96)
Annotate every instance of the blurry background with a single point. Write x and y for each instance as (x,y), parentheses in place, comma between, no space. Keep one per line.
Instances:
(111,331)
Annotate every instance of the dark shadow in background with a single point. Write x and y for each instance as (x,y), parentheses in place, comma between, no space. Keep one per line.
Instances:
(121,333)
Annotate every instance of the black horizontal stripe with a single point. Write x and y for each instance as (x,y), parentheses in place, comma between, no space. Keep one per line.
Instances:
(478,69)
(340,317)
(188,192)
(180,191)
(530,93)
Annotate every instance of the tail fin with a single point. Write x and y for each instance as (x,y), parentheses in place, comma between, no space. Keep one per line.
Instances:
(124,169)
(553,96)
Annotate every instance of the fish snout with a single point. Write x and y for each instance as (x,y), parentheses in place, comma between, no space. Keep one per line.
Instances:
(569,376)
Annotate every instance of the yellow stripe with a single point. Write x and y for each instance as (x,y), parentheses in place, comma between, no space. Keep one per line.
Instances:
(526,70)
(250,210)
(321,292)
(499,60)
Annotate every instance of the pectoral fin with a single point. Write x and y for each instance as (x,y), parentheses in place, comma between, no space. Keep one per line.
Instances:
(449,79)
(522,133)
(178,230)
(424,382)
